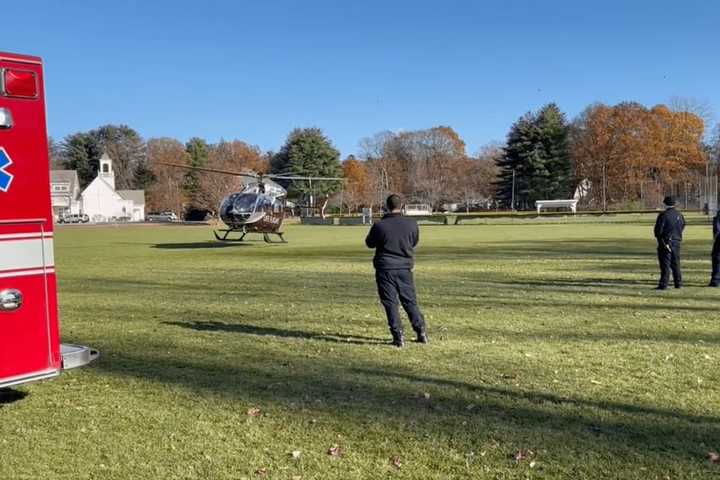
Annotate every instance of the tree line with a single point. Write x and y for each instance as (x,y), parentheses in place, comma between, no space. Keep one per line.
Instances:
(616,155)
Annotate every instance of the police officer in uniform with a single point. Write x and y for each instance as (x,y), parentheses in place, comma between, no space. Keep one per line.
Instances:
(394,239)
(668,232)
(715,256)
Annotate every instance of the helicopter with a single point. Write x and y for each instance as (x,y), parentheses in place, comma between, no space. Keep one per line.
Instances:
(258,208)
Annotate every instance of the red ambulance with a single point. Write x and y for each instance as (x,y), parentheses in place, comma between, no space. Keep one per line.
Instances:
(30,346)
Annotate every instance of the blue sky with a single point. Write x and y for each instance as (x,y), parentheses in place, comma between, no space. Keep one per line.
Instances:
(253,70)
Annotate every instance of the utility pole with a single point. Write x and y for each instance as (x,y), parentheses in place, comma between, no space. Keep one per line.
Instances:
(604,192)
(312,200)
(512,194)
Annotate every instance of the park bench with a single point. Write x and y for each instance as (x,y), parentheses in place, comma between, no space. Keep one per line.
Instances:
(417,209)
(571,204)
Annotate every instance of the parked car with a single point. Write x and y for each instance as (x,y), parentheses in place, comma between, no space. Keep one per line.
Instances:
(74,218)
(161,217)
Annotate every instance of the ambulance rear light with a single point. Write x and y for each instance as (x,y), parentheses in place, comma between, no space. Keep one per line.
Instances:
(18,83)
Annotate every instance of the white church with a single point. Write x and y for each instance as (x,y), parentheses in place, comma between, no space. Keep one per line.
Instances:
(100,201)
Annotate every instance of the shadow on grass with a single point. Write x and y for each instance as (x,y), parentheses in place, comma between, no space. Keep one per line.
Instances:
(320,290)
(197,245)
(542,397)
(214,326)
(458,412)
(9,395)
(632,336)
(586,248)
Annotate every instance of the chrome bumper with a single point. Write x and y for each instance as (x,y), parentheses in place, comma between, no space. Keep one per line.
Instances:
(35,377)
(74,356)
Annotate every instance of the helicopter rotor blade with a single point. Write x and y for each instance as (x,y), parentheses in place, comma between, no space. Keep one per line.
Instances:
(293,177)
(211,170)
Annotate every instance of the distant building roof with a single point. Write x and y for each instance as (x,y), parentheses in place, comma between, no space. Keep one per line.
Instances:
(137,196)
(65,176)
(59,176)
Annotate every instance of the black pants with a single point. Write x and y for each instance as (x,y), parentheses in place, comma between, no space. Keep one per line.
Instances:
(715,278)
(669,259)
(399,284)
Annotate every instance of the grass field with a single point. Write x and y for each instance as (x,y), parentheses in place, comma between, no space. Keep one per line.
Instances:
(221,361)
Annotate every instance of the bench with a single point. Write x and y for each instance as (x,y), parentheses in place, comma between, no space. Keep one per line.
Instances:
(571,204)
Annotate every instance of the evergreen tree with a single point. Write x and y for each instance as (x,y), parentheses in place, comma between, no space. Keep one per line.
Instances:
(308,152)
(198,152)
(552,177)
(537,156)
(514,164)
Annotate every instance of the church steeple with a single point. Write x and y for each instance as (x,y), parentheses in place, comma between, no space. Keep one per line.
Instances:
(106,170)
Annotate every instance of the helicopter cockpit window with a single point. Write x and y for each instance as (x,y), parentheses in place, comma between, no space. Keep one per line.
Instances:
(265,203)
(244,203)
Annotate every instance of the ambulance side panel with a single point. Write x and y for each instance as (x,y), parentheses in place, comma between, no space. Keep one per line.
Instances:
(29,343)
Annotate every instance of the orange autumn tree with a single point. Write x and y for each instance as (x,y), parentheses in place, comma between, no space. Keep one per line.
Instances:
(679,144)
(356,189)
(236,156)
(628,152)
(166,193)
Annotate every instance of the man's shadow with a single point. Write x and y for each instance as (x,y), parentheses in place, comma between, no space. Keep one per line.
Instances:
(213,326)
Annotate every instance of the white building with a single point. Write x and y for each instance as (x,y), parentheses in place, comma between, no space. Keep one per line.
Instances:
(65,192)
(102,203)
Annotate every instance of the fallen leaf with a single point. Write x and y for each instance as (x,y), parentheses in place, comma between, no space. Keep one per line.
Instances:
(335,451)
(254,412)
(395,462)
(521,455)
(714,457)
(261,472)
(295,454)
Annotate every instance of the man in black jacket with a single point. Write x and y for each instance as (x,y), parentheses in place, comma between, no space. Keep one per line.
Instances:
(668,232)
(394,239)
(715,255)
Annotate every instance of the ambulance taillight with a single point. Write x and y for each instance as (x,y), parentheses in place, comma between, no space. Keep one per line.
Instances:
(18,83)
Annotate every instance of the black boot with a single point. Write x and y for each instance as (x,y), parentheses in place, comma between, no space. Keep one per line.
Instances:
(397,339)
(422,337)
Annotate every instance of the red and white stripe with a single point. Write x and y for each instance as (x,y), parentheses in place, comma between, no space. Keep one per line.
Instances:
(23,254)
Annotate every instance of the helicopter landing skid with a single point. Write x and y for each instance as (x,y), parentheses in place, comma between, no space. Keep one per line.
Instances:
(226,233)
(266,236)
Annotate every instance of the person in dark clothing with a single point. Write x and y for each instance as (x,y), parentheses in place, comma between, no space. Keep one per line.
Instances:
(394,239)
(715,255)
(668,232)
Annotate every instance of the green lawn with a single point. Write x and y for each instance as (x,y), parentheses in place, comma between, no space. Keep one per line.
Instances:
(546,339)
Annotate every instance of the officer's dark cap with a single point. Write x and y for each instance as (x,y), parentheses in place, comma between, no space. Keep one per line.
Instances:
(669,201)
